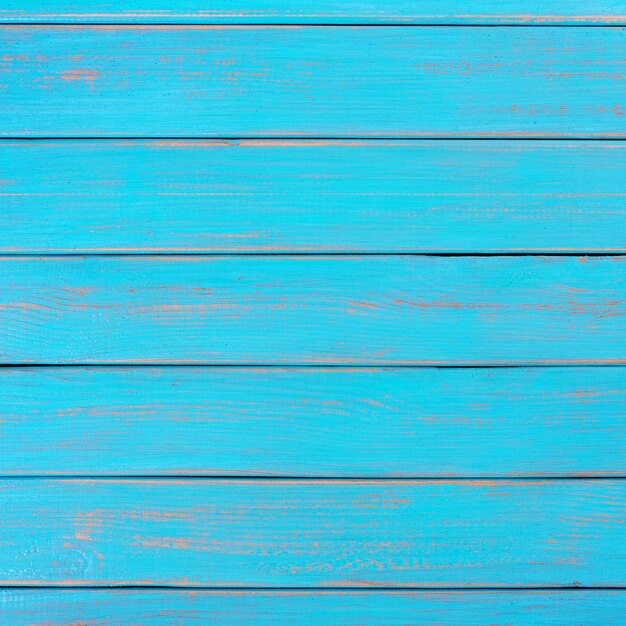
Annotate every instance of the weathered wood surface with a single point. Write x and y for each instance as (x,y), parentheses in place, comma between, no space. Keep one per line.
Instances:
(369,310)
(455,478)
(311,534)
(307,196)
(312,81)
(313,422)
(303,608)
(528,12)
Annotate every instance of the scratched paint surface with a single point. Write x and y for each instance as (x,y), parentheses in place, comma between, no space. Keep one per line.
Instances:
(302,608)
(312,81)
(307,196)
(320,12)
(325,309)
(318,533)
(233,363)
(313,421)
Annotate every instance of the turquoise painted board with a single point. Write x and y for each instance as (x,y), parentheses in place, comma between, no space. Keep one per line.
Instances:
(312,196)
(533,12)
(410,310)
(315,81)
(329,533)
(313,422)
(212,379)
(304,608)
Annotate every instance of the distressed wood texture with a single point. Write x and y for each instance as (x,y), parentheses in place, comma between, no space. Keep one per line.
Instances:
(528,12)
(304,608)
(312,81)
(311,534)
(313,422)
(313,310)
(303,196)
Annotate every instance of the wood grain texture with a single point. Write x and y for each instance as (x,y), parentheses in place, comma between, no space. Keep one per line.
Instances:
(313,310)
(313,422)
(303,608)
(579,12)
(303,196)
(312,81)
(400,477)
(318,533)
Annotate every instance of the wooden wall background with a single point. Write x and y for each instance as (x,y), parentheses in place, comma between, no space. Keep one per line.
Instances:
(313,313)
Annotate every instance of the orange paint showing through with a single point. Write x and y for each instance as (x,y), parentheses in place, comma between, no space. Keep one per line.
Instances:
(89,523)
(80,75)
(149,27)
(435,304)
(518,18)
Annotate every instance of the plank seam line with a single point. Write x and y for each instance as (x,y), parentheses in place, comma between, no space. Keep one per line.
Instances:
(301,138)
(287,254)
(343,589)
(315,366)
(60,478)
(209,24)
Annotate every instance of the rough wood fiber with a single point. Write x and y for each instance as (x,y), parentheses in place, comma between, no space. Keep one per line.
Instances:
(312,81)
(313,422)
(304,196)
(319,533)
(313,310)
(304,608)
(292,195)
(528,12)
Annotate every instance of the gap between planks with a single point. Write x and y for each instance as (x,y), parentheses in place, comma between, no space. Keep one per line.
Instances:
(330,590)
(284,478)
(532,253)
(291,25)
(316,366)
(300,139)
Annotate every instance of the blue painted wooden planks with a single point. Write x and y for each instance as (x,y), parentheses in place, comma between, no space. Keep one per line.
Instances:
(328,422)
(298,471)
(411,310)
(529,12)
(312,82)
(333,533)
(312,196)
(302,608)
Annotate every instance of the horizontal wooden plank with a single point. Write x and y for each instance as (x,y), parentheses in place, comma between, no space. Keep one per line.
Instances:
(313,310)
(313,422)
(312,81)
(303,196)
(304,608)
(320,12)
(315,533)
